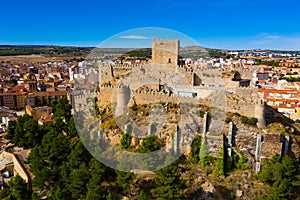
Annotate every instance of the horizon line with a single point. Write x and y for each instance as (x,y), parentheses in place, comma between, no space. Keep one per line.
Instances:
(83,46)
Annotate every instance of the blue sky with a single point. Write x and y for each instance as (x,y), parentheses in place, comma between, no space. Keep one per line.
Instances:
(223,24)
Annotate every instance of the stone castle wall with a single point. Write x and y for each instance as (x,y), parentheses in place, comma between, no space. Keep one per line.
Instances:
(145,98)
(249,93)
(245,109)
(244,101)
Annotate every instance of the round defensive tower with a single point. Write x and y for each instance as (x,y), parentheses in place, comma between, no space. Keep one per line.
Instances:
(123,97)
(260,114)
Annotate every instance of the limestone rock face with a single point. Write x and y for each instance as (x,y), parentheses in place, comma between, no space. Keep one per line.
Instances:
(134,141)
(239,193)
(208,187)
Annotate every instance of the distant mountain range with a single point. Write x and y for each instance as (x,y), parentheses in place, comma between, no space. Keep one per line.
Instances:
(49,50)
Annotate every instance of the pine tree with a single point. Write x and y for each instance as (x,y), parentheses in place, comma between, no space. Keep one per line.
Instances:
(94,188)
(168,183)
(19,189)
(283,175)
(79,155)
(79,178)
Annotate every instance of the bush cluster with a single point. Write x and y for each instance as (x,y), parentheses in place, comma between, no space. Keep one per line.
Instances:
(251,121)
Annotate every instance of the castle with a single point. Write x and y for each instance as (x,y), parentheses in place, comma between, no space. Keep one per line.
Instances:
(164,80)
(197,83)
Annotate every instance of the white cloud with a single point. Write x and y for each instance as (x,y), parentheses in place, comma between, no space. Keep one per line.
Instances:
(268,41)
(273,37)
(138,37)
(268,36)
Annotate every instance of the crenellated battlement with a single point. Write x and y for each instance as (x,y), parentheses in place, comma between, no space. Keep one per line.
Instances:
(247,93)
(208,82)
(122,86)
(255,89)
(184,69)
(107,86)
(122,66)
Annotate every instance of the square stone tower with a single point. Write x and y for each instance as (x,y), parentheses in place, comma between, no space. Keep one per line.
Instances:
(165,52)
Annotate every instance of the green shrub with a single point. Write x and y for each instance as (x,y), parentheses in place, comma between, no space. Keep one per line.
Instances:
(242,163)
(251,121)
(134,107)
(228,120)
(244,120)
(125,141)
(201,113)
(237,114)
(196,146)
(172,105)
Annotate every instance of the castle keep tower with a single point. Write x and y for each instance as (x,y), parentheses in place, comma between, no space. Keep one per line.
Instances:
(165,52)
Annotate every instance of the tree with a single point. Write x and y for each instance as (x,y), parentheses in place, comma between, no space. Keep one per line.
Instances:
(11,130)
(18,189)
(72,131)
(79,155)
(58,194)
(25,132)
(18,137)
(94,188)
(63,109)
(125,141)
(46,160)
(241,164)
(168,183)
(216,54)
(112,196)
(53,104)
(149,144)
(124,180)
(97,173)
(5,193)
(143,196)
(196,146)
(32,133)
(283,175)
(65,179)
(266,175)
(79,178)
(59,125)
